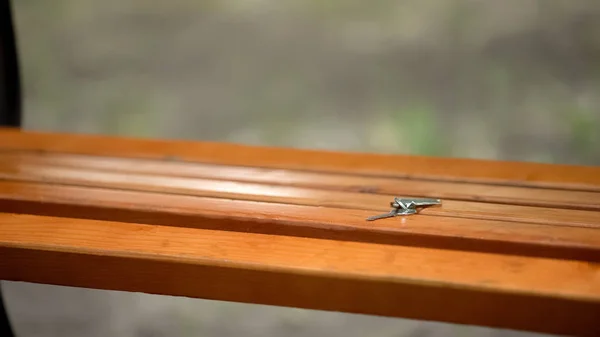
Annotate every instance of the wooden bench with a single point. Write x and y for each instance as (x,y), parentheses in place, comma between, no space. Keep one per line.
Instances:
(513,245)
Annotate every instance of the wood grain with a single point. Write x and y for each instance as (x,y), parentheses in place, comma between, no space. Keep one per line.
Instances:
(403,166)
(293,220)
(510,195)
(535,294)
(26,172)
(513,245)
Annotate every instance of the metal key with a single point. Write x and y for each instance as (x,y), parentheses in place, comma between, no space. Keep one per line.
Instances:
(407,203)
(405,206)
(392,213)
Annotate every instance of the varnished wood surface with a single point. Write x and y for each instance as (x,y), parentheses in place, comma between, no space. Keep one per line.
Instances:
(290,195)
(451,286)
(461,170)
(513,245)
(286,219)
(23,162)
(18,171)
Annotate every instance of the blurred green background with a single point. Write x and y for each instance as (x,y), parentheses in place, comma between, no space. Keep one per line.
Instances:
(510,80)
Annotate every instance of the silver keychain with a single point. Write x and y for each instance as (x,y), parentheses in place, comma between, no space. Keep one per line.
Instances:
(405,206)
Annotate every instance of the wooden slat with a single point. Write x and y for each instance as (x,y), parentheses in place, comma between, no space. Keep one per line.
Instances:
(461,170)
(288,195)
(347,182)
(535,294)
(287,227)
(285,219)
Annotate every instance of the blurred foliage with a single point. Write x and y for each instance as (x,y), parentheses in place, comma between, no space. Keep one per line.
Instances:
(420,132)
(497,80)
(585,134)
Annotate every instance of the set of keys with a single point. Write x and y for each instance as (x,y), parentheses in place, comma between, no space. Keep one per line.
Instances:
(405,206)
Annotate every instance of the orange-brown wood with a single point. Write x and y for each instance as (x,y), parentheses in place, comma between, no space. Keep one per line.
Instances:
(544,295)
(514,245)
(19,161)
(461,170)
(286,219)
(288,195)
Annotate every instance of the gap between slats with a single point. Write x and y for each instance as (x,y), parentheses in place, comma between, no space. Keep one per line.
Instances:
(289,195)
(516,292)
(305,221)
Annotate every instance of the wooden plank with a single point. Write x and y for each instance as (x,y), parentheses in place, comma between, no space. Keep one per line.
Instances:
(446,169)
(288,195)
(304,221)
(535,294)
(526,196)
(287,227)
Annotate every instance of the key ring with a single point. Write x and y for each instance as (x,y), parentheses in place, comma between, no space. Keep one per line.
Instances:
(405,206)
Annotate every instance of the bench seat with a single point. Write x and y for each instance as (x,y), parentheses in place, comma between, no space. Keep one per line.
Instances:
(513,245)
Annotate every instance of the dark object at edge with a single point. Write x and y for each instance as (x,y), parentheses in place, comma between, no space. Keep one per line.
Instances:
(10,104)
